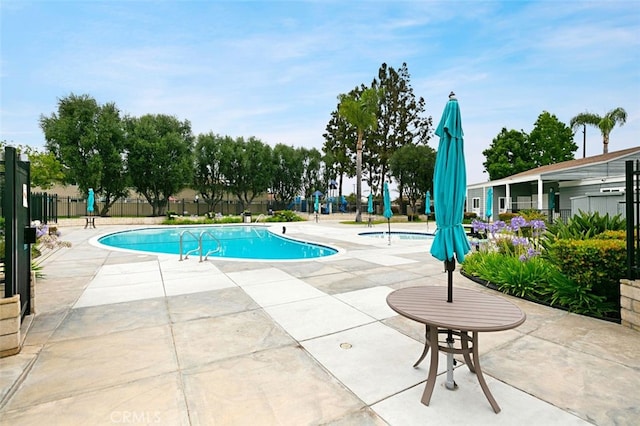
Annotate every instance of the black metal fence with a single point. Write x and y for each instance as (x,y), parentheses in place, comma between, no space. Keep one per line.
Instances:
(18,234)
(68,207)
(632,201)
(44,207)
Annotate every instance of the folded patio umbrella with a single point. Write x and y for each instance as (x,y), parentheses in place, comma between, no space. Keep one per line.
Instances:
(450,187)
(387,208)
(489,211)
(427,206)
(90,201)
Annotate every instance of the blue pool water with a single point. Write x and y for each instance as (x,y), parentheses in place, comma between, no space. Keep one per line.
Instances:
(241,242)
(402,235)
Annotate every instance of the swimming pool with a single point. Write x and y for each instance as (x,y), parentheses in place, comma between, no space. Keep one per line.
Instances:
(402,235)
(235,242)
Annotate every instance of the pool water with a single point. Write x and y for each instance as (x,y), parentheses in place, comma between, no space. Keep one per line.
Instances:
(240,242)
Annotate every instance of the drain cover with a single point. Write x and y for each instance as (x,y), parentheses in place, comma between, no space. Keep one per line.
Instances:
(346,345)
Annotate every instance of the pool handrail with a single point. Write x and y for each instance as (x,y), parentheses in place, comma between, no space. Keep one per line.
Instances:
(199,248)
(261,216)
(182,234)
(218,244)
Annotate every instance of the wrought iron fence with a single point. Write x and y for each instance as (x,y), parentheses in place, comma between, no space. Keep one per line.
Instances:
(68,207)
(632,208)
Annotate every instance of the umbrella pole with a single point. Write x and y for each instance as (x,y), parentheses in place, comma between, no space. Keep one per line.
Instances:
(389,225)
(450,266)
(450,383)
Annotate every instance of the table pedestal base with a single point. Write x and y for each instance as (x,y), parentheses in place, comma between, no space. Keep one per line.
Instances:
(467,351)
(90,221)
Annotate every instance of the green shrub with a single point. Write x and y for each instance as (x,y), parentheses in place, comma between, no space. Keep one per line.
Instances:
(612,235)
(284,216)
(509,274)
(585,225)
(536,279)
(595,264)
(506,217)
(470,215)
(531,214)
(577,298)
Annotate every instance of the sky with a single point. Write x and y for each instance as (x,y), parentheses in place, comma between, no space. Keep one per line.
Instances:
(274,69)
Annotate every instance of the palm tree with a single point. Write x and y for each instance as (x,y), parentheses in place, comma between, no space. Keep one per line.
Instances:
(605,124)
(361,112)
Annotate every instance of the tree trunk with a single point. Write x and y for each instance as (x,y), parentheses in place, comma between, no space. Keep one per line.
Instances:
(359,178)
(605,143)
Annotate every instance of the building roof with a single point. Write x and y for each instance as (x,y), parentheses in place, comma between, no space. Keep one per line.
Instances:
(610,164)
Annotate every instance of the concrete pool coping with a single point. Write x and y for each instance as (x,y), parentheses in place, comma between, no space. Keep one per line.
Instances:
(235,343)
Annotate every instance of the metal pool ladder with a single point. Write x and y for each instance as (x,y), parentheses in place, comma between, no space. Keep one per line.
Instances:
(199,249)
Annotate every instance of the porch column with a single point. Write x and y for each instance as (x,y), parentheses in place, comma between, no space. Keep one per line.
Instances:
(507,196)
(540,193)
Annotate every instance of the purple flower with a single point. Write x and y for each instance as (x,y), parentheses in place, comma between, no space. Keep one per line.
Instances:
(517,222)
(519,241)
(478,226)
(538,224)
(41,231)
(497,226)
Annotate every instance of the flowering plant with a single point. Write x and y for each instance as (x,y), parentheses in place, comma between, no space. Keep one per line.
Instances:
(519,238)
(48,238)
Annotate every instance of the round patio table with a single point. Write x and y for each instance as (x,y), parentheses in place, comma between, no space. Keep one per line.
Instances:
(470,312)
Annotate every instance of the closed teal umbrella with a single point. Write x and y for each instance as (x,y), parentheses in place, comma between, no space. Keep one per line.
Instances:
(90,201)
(489,211)
(450,187)
(449,192)
(316,204)
(387,208)
(427,204)
(370,204)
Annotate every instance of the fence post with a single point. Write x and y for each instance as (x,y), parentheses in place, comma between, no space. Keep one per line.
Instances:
(632,202)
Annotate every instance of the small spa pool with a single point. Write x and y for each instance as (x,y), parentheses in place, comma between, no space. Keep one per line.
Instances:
(233,242)
(401,235)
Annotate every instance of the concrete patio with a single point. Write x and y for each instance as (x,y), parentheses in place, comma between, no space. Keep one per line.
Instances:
(136,338)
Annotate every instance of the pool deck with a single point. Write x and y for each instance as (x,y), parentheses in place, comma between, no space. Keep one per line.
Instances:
(136,338)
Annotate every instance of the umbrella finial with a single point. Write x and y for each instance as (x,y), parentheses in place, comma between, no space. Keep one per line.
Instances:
(452,95)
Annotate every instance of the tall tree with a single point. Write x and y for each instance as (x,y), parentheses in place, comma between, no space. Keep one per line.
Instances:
(89,140)
(209,180)
(339,148)
(287,173)
(508,154)
(159,160)
(312,175)
(511,152)
(605,123)
(249,171)
(361,112)
(45,169)
(401,121)
(551,141)
(412,166)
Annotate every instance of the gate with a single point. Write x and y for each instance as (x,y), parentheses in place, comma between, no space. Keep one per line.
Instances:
(632,202)
(18,233)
